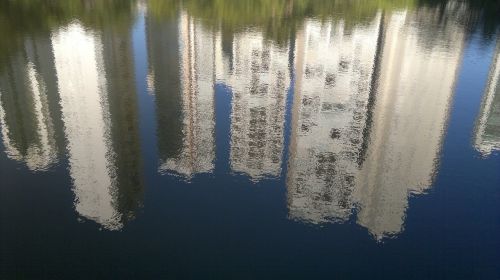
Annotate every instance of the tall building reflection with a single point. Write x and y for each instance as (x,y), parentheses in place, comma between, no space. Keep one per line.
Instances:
(414,91)
(369,114)
(164,83)
(29,108)
(334,69)
(257,72)
(184,91)
(95,78)
(487,134)
(197,47)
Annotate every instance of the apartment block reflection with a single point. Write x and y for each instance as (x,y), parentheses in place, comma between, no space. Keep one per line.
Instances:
(334,69)
(259,77)
(29,108)
(95,78)
(487,135)
(164,82)
(414,91)
(190,148)
(197,69)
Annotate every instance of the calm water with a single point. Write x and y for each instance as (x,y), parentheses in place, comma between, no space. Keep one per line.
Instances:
(253,139)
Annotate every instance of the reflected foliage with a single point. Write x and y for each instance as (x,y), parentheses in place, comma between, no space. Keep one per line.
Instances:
(279,19)
(32,17)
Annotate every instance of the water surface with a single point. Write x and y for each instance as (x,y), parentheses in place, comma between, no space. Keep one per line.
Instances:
(250,139)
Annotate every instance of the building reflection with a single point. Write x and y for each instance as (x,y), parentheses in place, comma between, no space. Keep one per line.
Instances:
(98,103)
(414,92)
(487,134)
(334,69)
(182,78)
(257,72)
(197,73)
(29,109)
(370,107)
(164,83)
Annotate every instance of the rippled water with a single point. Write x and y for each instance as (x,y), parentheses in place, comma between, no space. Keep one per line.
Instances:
(250,139)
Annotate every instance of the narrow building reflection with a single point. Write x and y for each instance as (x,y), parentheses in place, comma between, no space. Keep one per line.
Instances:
(414,93)
(29,109)
(487,134)
(197,73)
(186,120)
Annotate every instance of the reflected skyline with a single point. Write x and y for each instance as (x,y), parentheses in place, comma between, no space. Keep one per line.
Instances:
(368,110)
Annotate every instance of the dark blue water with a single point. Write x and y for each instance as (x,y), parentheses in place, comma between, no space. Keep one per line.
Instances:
(165,143)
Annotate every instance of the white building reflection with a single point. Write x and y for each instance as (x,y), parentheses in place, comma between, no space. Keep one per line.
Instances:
(414,92)
(79,65)
(96,89)
(334,69)
(369,115)
(487,134)
(258,75)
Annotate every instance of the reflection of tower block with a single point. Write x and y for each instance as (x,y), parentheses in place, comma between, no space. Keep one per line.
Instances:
(197,54)
(98,108)
(414,91)
(334,75)
(487,137)
(29,108)
(259,80)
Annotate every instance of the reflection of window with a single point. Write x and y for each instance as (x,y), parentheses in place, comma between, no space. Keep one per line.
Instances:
(304,127)
(335,133)
(313,71)
(343,65)
(307,101)
(330,80)
(327,107)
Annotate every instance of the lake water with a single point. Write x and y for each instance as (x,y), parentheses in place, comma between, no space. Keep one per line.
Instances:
(253,139)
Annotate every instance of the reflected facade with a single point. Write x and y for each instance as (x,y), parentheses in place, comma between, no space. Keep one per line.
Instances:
(414,92)
(257,72)
(197,81)
(334,68)
(487,134)
(99,112)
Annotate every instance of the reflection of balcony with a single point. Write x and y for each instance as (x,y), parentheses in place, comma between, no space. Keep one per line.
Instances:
(414,91)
